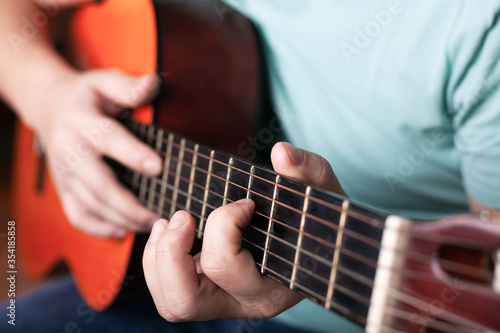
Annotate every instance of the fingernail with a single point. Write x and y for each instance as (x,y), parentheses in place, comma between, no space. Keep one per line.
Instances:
(295,154)
(151,166)
(158,229)
(179,219)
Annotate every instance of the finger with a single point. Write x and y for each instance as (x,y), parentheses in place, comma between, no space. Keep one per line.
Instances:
(223,259)
(58,4)
(116,142)
(305,167)
(102,183)
(86,222)
(196,297)
(149,265)
(125,91)
(233,268)
(99,209)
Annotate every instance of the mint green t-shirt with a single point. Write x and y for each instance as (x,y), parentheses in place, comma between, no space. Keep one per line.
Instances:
(402,97)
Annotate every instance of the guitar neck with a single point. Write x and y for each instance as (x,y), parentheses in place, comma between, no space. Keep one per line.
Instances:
(314,241)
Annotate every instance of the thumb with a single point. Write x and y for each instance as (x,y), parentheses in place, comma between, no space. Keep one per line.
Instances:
(305,167)
(124,91)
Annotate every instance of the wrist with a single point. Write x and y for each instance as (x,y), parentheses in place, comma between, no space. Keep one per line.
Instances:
(37,100)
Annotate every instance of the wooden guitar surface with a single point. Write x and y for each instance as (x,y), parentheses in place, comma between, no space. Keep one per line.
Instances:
(208,64)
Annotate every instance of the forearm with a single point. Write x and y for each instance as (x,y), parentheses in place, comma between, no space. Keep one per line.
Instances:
(29,65)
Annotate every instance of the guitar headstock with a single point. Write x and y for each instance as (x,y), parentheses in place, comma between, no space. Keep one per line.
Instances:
(441,276)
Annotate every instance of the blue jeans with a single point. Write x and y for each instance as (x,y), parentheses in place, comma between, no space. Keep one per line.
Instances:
(58,308)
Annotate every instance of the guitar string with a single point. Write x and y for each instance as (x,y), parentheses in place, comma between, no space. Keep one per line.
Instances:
(451,266)
(432,322)
(445,327)
(438,238)
(442,313)
(352,274)
(338,208)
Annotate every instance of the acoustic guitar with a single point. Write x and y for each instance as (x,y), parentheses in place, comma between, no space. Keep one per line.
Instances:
(385,273)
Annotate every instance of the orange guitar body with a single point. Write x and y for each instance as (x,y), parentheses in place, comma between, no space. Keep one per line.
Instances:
(197,91)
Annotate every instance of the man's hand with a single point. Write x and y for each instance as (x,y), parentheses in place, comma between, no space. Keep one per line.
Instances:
(223,281)
(76,129)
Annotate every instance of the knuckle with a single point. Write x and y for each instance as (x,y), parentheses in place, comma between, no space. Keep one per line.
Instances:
(213,266)
(325,173)
(181,311)
(263,308)
(163,251)
(165,314)
(220,214)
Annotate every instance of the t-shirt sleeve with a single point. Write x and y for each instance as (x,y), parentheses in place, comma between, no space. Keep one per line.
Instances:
(475,104)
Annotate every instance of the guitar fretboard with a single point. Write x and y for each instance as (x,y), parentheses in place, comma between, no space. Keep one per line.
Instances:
(314,241)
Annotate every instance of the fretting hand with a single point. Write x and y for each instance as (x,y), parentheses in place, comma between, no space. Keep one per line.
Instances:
(223,280)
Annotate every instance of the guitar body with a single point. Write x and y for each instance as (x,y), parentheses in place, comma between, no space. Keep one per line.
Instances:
(207,58)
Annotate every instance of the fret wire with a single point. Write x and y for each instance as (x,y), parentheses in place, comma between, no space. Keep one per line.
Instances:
(250,181)
(301,234)
(337,247)
(205,195)
(315,295)
(270,223)
(363,238)
(321,298)
(152,185)
(336,255)
(345,310)
(320,278)
(191,177)
(353,234)
(136,177)
(142,187)
(379,224)
(324,261)
(144,178)
(370,241)
(344,270)
(334,247)
(339,267)
(166,168)
(371,221)
(228,174)
(333,206)
(356,276)
(177,176)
